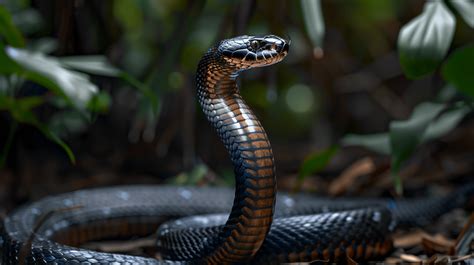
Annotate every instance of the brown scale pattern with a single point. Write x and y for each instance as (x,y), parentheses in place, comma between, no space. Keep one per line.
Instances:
(251,155)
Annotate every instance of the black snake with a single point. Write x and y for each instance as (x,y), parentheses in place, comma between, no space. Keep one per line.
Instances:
(52,229)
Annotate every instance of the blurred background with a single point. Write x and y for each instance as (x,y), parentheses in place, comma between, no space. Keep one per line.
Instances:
(98,93)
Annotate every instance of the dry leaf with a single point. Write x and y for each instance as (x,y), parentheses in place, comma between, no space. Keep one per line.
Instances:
(411,239)
(438,244)
(411,258)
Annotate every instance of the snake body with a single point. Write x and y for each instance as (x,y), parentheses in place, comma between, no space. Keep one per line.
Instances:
(52,229)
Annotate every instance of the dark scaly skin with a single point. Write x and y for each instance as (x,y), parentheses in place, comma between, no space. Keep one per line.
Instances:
(360,234)
(138,210)
(244,138)
(122,212)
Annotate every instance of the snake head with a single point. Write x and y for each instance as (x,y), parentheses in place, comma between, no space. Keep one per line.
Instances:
(245,52)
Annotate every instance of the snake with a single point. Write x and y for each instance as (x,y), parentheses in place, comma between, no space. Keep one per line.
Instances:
(191,223)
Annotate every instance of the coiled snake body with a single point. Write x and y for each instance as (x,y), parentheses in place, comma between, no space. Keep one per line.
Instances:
(43,232)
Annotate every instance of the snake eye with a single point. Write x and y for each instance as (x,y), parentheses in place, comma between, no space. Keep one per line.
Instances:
(254,44)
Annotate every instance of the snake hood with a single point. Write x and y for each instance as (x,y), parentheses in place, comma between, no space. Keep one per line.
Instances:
(245,52)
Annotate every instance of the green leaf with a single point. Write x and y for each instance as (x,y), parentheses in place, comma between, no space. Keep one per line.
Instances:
(21,111)
(8,29)
(67,122)
(314,21)
(7,65)
(21,104)
(48,72)
(92,64)
(445,122)
(379,142)
(313,163)
(100,102)
(53,137)
(406,135)
(192,177)
(466,9)
(99,65)
(424,41)
(447,93)
(426,123)
(43,45)
(459,69)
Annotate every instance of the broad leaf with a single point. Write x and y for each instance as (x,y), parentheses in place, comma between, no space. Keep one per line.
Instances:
(446,93)
(67,122)
(314,22)
(459,69)
(92,64)
(426,123)
(379,142)
(8,29)
(100,102)
(99,65)
(19,105)
(406,135)
(7,65)
(48,72)
(424,41)
(445,122)
(53,137)
(466,9)
(313,163)
(21,111)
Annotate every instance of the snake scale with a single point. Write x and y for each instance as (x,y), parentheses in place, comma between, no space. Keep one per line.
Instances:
(190,223)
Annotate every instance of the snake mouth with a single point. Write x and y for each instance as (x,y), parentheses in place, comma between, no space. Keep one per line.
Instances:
(284,50)
(282,45)
(271,49)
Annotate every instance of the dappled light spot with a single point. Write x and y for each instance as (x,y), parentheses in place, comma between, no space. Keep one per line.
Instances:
(300,98)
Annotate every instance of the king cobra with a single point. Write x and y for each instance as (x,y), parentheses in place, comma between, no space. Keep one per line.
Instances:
(306,228)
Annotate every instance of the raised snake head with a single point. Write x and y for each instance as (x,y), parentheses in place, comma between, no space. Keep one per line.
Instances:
(245,52)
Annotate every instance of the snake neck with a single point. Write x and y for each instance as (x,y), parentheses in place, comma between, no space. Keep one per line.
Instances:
(251,156)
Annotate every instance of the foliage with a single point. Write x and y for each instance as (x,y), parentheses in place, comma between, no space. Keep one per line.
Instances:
(426,39)
(192,177)
(459,70)
(161,41)
(314,21)
(70,91)
(314,162)
(423,43)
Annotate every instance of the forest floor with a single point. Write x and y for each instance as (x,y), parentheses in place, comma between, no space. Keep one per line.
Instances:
(437,169)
